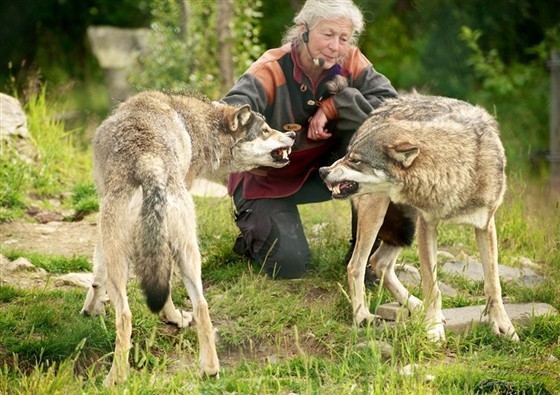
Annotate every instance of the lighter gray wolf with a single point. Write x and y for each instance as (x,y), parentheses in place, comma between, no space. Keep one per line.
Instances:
(146,156)
(442,158)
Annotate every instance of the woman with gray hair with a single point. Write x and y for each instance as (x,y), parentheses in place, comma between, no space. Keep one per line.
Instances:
(290,87)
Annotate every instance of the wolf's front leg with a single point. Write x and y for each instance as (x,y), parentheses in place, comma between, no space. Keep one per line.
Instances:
(371,211)
(497,316)
(427,252)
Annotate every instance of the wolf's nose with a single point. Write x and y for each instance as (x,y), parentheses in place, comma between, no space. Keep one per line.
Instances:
(323,172)
(291,135)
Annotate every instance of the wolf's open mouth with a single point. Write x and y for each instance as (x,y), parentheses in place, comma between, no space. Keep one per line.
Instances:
(281,154)
(343,189)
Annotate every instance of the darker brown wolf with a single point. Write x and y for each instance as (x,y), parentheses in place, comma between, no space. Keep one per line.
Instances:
(442,158)
(146,156)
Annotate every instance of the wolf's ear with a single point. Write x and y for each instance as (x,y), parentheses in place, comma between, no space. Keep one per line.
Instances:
(403,152)
(240,116)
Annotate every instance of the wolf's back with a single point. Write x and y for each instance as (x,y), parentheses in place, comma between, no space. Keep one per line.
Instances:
(152,255)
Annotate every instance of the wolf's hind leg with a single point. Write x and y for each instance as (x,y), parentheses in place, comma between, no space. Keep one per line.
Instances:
(383,261)
(97,294)
(187,255)
(497,315)
(171,315)
(190,266)
(117,276)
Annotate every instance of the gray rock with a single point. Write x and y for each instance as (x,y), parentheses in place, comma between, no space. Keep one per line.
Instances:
(14,135)
(462,318)
(474,271)
(83,280)
(117,50)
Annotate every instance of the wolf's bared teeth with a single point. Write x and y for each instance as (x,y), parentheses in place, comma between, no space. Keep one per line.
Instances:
(284,154)
(336,189)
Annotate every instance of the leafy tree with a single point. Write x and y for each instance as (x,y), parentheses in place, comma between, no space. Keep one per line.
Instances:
(49,35)
(184,62)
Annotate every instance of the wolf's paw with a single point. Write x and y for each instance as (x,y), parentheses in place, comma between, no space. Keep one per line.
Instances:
(210,368)
(505,329)
(501,324)
(436,333)
(115,376)
(413,304)
(179,318)
(364,318)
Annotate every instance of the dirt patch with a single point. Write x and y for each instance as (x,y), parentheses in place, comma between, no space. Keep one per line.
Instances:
(68,239)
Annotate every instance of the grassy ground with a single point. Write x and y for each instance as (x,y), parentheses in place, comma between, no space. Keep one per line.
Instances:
(292,336)
(274,337)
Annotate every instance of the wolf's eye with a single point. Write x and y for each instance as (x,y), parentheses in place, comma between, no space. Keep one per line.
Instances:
(354,161)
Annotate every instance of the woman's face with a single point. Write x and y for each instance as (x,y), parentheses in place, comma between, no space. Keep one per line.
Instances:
(329,40)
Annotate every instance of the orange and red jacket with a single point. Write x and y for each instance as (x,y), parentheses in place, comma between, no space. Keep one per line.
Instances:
(276,86)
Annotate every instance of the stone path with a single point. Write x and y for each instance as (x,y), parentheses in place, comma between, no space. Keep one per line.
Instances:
(461,319)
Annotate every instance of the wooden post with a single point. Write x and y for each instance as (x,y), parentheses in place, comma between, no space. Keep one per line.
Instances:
(554,151)
(224,19)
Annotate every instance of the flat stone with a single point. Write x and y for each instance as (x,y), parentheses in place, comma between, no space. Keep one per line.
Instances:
(474,271)
(392,311)
(460,319)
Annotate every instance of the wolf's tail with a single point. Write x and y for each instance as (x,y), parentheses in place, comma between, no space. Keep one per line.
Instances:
(153,264)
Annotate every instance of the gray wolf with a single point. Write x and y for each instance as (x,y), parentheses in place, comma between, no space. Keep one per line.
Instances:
(437,159)
(146,156)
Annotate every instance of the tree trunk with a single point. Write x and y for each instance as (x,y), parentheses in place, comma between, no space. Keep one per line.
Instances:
(184,22)
(224,19)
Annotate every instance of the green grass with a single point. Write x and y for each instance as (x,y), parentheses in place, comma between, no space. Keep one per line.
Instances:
(274,337)
(289,336)
(59,167)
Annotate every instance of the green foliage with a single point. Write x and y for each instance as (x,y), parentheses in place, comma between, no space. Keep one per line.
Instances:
(84,199)
(517,94)
(182,61)
(52,264)
(60,164)
(14,177)
(50,35)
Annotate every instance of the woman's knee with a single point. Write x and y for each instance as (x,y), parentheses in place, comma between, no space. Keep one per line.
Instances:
(288,263)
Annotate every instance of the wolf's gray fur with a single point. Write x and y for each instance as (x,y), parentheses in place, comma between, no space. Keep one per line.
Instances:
(443,157)
(146,156)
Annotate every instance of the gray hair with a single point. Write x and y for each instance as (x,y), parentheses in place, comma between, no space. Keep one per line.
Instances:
(315,11)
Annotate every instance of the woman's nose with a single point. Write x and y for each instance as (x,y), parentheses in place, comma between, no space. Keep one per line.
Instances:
(334,44)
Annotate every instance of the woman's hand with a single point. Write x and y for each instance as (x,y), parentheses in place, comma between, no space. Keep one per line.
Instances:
(316,130)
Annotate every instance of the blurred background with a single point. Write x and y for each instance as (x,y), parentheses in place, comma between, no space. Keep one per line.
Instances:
(90,54)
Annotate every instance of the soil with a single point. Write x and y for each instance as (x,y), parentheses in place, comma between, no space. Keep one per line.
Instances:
(68,239)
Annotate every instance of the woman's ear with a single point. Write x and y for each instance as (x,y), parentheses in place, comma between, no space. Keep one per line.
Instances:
(304,29)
